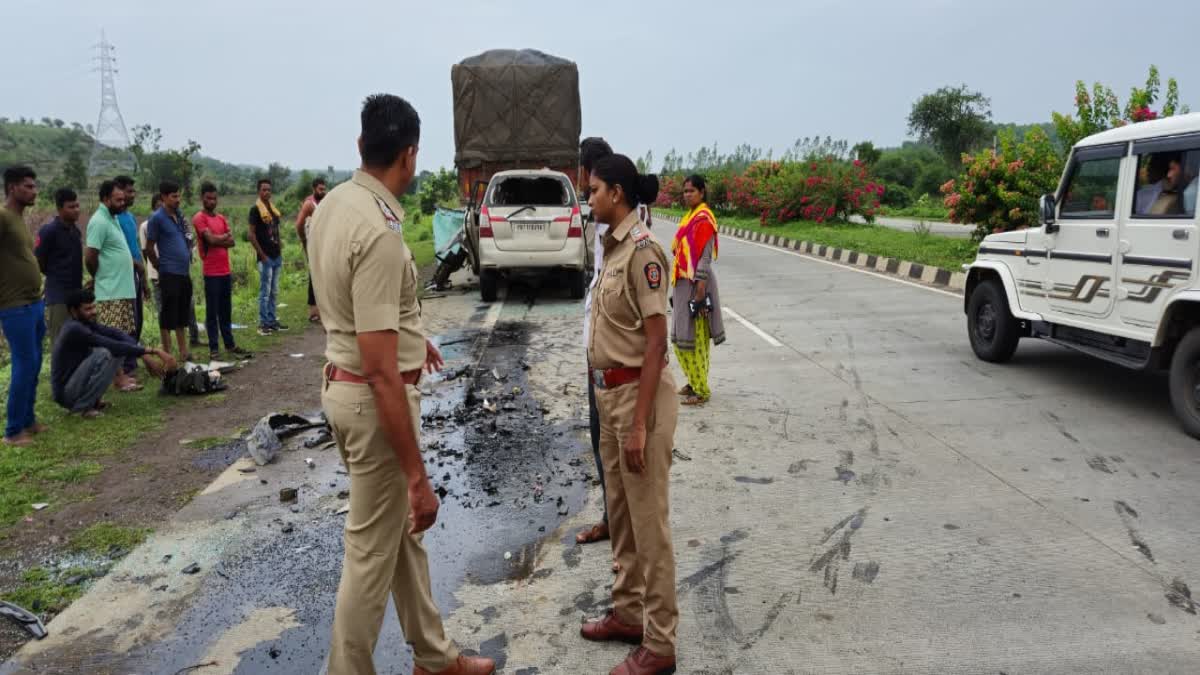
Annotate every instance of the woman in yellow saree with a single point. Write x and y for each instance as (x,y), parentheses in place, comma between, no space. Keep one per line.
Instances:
(696,321)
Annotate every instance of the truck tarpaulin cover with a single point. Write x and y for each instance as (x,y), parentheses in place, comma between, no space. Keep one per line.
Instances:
(513,105)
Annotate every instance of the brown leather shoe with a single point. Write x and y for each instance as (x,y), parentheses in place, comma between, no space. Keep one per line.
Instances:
(463,665)
(645,662)
(611,629)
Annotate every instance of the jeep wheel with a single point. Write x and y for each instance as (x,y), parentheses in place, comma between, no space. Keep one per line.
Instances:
(1185,382)
(993,331)
(577,283)
(489,283)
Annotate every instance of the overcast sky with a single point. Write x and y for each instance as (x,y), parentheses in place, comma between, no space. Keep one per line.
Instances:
(255,81)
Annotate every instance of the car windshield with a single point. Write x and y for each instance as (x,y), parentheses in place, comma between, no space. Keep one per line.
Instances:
(530,191)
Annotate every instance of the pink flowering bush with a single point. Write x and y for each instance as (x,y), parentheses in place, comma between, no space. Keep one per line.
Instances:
(778,192)
(999,192)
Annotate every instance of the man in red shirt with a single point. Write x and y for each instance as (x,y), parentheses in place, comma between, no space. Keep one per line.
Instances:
(215,242)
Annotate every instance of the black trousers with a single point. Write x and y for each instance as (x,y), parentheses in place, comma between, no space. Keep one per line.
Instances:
(594,426)
(218,311)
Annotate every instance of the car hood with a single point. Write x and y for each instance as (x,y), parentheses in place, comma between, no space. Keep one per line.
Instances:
(1014,237)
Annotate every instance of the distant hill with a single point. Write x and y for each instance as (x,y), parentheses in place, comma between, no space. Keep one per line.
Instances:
(50,146)
(46,148)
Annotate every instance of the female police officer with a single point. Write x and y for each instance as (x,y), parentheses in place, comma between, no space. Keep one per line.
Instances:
(635,395)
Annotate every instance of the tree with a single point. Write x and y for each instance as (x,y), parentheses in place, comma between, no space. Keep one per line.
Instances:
(866,153)
(954,120)
(280,176)
(74,173)
(437,190)
(58,124)
(672,163)
(1100,110)
(156,165)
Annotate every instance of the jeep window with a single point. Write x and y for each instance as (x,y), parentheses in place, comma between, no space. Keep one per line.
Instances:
(1166,184)
(530,191)
(1092,190)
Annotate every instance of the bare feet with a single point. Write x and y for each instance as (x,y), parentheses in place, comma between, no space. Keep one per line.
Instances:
(593,534)
(37,428)
(91,414)
(21,440)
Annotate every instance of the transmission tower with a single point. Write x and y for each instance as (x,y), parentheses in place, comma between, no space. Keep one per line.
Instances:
(110,152)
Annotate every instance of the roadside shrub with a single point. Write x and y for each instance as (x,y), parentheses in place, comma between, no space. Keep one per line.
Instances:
(999,192)
(818,190)
(778,192)
(670,192)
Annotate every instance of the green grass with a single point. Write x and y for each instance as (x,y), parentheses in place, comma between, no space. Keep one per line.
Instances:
(924,248)
(74,448)
(108,539)
(46,591)
(418,233)
(933,212)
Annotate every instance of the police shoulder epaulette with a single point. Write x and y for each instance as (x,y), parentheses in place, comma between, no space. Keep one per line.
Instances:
(393,222)
(640,239)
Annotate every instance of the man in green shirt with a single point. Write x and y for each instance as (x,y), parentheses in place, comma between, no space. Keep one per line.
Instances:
(22,312)
(110,263)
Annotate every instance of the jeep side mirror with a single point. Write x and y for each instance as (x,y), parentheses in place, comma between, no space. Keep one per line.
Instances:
(1047,206)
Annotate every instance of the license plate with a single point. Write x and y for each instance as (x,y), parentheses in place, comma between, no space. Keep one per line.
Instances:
(530,227)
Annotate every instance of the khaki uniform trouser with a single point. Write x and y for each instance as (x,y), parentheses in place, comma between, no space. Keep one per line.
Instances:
(381,556)
(639,512)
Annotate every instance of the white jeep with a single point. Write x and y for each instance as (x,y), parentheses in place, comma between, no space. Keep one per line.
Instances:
(1112,270)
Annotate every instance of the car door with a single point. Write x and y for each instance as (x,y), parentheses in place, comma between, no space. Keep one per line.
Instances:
(1080,250)
(1158,232)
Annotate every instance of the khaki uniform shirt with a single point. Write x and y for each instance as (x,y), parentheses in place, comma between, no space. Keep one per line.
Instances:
(363,274)
(632,287)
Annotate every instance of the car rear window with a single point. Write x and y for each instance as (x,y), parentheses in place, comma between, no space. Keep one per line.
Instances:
(530,191)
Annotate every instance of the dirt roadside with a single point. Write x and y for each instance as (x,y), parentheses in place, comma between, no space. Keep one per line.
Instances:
(144,484)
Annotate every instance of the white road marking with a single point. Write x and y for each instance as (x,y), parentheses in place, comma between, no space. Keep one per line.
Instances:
(753,329)
(957,296)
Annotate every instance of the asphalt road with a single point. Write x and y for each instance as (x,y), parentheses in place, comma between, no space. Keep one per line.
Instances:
(861,496)
(953,230)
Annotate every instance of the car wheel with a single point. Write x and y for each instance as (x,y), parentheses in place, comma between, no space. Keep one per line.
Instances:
(489,283)
(991,326)
(577,282)
(1185,382)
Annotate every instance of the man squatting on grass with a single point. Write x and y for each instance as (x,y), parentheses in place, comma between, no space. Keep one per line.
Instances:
(88,355)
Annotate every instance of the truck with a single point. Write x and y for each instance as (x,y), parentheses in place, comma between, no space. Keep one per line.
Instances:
(517,122)
(1111,271)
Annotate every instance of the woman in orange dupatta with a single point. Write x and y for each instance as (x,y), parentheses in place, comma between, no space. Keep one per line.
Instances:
(696,320)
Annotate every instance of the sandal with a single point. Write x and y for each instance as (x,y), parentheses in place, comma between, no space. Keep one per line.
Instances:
(695,401)
(131,387)
(686,390)
(593,534)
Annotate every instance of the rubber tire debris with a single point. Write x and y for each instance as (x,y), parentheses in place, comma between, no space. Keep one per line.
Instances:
(24,619)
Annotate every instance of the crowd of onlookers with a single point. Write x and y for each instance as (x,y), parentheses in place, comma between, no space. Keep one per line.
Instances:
(94,326)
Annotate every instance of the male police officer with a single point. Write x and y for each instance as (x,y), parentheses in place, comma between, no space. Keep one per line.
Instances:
(366,289)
